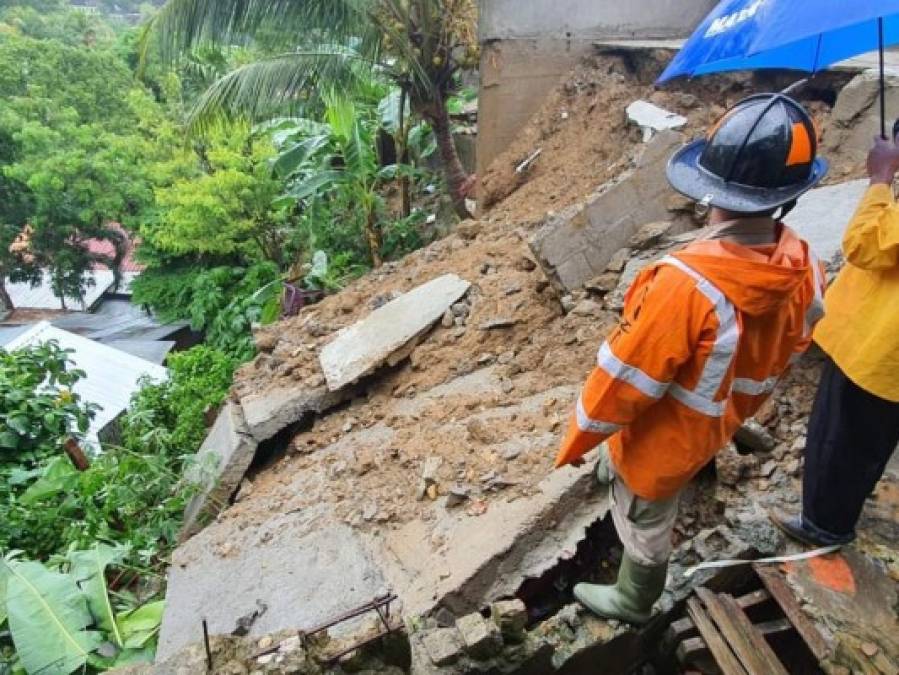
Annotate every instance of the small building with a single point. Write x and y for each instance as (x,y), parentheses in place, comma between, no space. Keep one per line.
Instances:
(86,7)
(112,376)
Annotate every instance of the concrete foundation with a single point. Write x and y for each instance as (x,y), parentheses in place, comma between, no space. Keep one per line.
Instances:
(526,47)
(295,561)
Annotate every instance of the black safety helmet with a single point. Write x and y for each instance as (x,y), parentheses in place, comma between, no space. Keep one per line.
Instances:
(761,155)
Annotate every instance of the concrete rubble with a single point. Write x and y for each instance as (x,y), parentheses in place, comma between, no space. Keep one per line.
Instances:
(433,479)
(855,118)
(577,245)
(651,118)
(363,347)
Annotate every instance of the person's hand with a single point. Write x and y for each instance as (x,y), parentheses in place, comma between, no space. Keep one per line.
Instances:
(883,161)
(577,463)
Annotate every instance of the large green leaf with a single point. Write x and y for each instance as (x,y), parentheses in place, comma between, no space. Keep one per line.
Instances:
(58,476)
(4,578)
(48,618)
(293,157)
(130,657)
(141,624)
(320,182)
(89,570)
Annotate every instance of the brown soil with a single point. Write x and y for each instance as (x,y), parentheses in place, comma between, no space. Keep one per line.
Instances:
(373,483)
(585,138)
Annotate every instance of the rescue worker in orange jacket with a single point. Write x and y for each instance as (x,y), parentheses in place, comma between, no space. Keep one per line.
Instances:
(705,336)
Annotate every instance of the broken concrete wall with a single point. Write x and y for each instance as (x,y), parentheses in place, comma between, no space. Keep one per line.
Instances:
(526,47)
(221,463)
(856,119)
(577,245)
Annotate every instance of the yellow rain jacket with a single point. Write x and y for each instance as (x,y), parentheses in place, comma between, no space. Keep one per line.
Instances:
(860,330)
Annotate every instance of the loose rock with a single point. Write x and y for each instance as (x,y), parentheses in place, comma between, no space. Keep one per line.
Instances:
(443,646)
(511,616)
(500,322)
(481,638)
(649,235)
(604,283)
(619,260)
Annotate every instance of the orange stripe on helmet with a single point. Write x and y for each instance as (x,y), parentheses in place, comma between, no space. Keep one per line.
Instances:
(801,151)
(717,125)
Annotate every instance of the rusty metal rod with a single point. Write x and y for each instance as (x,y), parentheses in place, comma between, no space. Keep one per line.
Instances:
(352,614)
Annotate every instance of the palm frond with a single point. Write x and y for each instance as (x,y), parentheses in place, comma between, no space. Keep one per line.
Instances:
(275,86)
(184,24)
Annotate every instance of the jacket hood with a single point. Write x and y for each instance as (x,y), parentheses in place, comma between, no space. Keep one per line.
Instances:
(757,280)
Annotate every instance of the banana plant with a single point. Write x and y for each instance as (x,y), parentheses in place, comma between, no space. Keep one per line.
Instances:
(322,161)
(61,617)
(421,45)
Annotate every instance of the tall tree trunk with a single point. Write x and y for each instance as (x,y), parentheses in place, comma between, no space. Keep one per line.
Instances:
(402,154)
(457,179)
(373,236)
(5,300)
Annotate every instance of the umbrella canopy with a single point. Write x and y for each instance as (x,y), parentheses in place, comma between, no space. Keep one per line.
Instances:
(805,35)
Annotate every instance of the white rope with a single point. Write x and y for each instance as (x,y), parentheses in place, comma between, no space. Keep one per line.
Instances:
(715,564)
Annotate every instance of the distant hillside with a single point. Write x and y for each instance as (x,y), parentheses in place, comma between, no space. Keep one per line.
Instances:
(114,8)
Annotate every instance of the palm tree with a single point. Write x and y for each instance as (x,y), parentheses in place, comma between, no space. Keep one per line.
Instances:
(419,44)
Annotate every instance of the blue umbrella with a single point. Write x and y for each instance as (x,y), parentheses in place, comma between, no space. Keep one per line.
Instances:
(805,35)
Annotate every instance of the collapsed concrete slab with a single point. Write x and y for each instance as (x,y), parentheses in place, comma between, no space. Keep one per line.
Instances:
(284,574)
(364,346)
(822,216)
(322,540)
(490,556)
(268,412)
(651,118)
(220,465)
(578,245)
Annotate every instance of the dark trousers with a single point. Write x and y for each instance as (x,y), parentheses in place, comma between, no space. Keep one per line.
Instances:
(851,436)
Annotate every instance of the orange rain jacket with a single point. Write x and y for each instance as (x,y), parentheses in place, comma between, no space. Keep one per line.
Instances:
(705,336)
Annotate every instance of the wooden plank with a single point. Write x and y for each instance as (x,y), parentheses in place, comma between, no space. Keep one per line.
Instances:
(784,597)
(774,627)
(681,629)
(733,633)
(724,657)
(773,665)
(684,629)
(753,599)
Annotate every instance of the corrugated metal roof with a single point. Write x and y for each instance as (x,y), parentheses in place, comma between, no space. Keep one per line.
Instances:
(153,351)
(117,319)
(111,375)
(42,296)
(8,333)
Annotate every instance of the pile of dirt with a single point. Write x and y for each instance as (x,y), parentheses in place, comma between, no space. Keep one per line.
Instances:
(585,139)
(511,323)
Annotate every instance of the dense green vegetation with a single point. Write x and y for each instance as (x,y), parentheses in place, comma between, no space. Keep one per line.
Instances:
(238,159)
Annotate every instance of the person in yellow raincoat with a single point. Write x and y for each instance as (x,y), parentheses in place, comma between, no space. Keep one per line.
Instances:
(854,425)
(705,336)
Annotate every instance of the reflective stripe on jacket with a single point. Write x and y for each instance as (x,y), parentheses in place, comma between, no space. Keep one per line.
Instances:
(705,336)
(861,331)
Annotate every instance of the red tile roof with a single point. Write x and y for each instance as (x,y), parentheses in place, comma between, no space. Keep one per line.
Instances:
(105,247)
